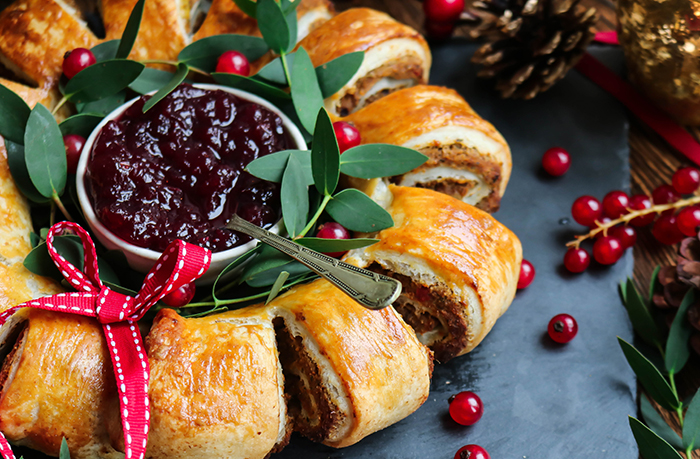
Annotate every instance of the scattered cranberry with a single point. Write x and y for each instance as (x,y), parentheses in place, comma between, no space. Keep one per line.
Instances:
(466,408)
(607,250)
(333,230)
(443,10)
(640,202)
(348,136)
(576,260)
(74,146)
(615,204)
(527,274)
(625,234)
(233,62)
(556,161)
(666,230)
(472,452)
(688,221)
(586,210)
(686,180)
(562,328)
(76,61)
(439,31)
(180,297)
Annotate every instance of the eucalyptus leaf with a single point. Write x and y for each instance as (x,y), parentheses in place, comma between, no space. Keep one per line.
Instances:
(335,245)
(380,160)
(204,54)
(357,212)
(268,278)
(131,31)
(150,80)
(691,423)
(103,106)
(271,167)
(247,6)
(45,153)
(267,258)
(63,452)
(650,377)
(277,286)
(655,285)
(235,264)
(651,446)
(34,239)
(18,169)
(106,50)
(14,113)
(177,78)
(677,350)
(335,74)
(39,262)
(294,196)
(107,273)
(325,155)
(292,26)
(623,291)
(292,5)
(81,124)
(264,90)
(640,316)
(656,423)
(306,92)
(273,25)
(265,292)
(102,80)
(274,71)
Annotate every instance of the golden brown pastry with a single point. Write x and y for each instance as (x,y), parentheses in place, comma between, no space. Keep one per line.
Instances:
(396,56)
(467,157)
(459,268)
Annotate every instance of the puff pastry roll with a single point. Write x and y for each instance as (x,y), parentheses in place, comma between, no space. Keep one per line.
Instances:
(349,371)
(468,157)
(459,268)
(396,56)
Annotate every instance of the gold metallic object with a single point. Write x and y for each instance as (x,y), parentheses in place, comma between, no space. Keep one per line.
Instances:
(371,290)
(661,40)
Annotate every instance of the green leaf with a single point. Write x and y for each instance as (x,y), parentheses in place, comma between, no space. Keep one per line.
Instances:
(357,212)
(677,351)
(271,167)
(81,124)
(655,285)
(102,80)
(130,31)
(335,74)
(178,77)
(274,71)
(288,6)
(18,169)
(623,291)
(268,258)
(277,286)
(64,453)
(325,155)
(335,245)
(45,153)
(650,377)
(103,106)
(39,262)
(150,80)
(379,160)
(306,93)
(34,239)
(264,90)
(691,423)
(268,278)
(291,17)
(14,113)
(651,446)
(247,6)
(294,197)
(640,316)
(204,54)
(658,425)
(105,51)
(273,25)
(235,264)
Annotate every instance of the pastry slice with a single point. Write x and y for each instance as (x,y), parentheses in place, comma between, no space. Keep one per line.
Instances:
(467,157)
(458,266)
(349,371)
(396,56)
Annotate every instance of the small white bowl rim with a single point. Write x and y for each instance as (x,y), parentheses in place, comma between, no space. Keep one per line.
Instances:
(153,255)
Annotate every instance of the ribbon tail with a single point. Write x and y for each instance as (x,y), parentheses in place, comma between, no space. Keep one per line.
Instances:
(131,371)
(5,449)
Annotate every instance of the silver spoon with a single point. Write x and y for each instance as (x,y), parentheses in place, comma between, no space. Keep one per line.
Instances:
(371,290)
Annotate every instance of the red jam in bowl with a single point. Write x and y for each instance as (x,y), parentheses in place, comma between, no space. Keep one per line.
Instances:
(176,172)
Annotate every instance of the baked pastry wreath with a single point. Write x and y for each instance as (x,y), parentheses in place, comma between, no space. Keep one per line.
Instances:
(237,384)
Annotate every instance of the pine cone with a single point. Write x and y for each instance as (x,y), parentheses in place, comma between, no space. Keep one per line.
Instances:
(532,43)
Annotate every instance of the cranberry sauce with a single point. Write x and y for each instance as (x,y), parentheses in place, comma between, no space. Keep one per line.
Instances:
(176,172)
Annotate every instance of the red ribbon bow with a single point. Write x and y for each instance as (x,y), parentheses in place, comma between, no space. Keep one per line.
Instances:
(180,264)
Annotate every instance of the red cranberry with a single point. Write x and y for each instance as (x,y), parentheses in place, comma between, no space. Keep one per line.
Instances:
(600,222)
(472,452)
(348,136)
(180,297)
(688,221)
(556,161)
(640,202)
(233,62)
(562,328)
(74,146)
(466,408)
(439,31)
(666,230)
(607,250)
(527,274)
(576,260)
(586,210)
(333,230)
(443,10)
(686,180)
(615,204)
(665,194)
(625,234)
(76,61)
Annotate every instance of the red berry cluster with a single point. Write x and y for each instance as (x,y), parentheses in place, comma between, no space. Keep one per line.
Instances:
(441,16)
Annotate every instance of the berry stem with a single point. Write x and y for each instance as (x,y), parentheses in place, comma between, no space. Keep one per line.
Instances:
(58,106)
(632,214)
(174,64)
(59,204)
(321,208)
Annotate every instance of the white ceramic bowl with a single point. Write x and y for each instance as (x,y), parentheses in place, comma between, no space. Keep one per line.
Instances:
(142,259)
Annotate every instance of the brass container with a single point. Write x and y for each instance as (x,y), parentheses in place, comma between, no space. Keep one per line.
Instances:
(661,41)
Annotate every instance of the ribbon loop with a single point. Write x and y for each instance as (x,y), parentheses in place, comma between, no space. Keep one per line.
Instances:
(89,281)
(113,307)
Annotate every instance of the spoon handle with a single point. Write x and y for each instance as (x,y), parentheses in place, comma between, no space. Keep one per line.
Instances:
(371,290)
